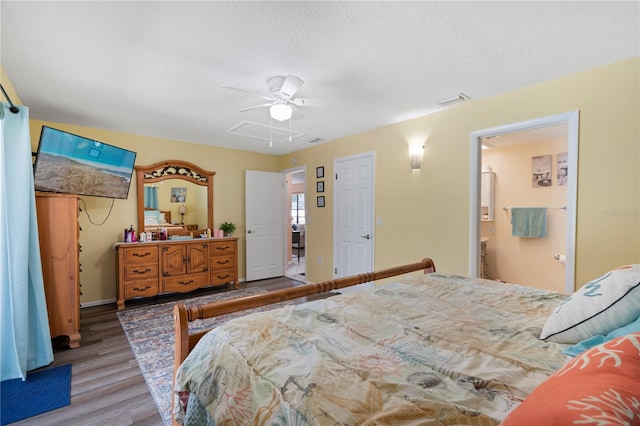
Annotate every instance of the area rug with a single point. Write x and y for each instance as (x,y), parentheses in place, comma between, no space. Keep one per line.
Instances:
(149,330)
(43,391)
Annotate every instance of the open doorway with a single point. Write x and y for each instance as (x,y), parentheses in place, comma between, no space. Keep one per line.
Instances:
(567,123)
(524,173)
(295,267)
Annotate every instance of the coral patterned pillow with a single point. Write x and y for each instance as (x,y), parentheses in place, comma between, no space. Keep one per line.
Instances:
(599,386)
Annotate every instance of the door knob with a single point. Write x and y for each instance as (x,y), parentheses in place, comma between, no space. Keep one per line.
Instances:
(249,231)
(368,237)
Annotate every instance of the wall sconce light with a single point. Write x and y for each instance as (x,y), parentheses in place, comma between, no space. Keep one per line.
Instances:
(415,155)
(182,210)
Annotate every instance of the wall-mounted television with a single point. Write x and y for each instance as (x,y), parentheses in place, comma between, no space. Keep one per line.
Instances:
(72,164)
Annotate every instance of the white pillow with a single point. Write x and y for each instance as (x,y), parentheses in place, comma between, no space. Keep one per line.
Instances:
(151,217)
(600,306)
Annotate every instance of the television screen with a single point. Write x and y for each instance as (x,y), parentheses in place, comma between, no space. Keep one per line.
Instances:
(71,164)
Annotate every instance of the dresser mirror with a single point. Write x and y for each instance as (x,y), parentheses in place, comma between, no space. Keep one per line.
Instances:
(174,195)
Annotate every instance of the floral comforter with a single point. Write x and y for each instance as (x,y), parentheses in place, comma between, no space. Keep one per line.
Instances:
(432,349)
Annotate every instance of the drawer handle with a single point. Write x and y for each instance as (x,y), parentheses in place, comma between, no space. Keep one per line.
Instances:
(135,271)
(142,289)
(222,262)
(223,248)
(185,282)
(141,254)
(221,277)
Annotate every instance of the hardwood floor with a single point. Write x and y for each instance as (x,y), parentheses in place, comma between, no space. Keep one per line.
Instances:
(107,386)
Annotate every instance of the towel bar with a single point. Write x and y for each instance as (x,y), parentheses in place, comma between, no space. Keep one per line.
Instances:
(549,208)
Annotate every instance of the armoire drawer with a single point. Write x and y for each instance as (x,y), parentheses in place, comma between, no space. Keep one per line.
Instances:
(185,283)
(140,271)
(141,254)
(223,248)
(223,262)
(141,288)
(224,277)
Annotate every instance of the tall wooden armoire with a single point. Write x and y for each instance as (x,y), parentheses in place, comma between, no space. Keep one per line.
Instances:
(59,232)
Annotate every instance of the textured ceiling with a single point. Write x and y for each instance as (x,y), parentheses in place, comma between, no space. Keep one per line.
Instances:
(155,68)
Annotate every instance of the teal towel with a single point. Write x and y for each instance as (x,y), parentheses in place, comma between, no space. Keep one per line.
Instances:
(529,222)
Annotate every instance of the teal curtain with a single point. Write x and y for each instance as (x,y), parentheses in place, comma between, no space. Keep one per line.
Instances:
(25,342)
(151,197)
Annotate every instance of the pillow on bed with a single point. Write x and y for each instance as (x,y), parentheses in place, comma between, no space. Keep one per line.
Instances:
(602,305)
(598,339)
(601,383)
(151,217)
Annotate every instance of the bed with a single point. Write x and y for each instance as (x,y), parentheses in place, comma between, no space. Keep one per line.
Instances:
(422,349)
(155,220)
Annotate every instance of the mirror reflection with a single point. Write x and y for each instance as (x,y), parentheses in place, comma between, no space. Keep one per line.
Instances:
(179,203)
(175,200)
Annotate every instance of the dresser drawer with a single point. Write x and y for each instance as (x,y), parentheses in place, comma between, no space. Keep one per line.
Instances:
(140,271)
(223,262)
(185,283)
(141,288)
(223,248)
(223,277)
(141,254)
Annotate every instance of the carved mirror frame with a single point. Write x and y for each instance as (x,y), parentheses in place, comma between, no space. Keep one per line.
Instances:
(173,169)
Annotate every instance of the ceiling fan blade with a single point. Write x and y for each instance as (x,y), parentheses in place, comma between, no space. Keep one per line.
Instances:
(255,106)
(247,91)
(313,102)
(291,85)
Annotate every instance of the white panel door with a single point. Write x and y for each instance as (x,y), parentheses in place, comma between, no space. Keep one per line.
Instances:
(353,217)
(264,213)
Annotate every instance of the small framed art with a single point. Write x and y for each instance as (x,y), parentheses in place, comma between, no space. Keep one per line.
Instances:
(320,172)
(320,186)
(321,201)
(178,195)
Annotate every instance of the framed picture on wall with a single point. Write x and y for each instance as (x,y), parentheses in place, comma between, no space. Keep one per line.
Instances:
(321,201)
(178,195)
(319,172)
(562,168)
(541,171)
(320,186)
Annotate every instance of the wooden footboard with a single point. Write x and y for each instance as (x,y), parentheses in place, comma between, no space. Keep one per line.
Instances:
(182,315)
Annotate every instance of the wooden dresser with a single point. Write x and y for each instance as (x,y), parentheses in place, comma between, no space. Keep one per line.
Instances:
(59,231)
(158,267)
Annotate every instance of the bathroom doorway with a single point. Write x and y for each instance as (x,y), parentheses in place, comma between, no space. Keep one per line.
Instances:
(508,160)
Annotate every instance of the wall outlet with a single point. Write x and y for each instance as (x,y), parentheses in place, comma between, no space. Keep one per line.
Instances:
(319,260)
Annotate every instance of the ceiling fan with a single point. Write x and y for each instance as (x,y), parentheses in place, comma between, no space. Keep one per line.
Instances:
(282,91)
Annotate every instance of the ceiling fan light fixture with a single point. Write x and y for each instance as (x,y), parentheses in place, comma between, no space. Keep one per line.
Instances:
(280,112)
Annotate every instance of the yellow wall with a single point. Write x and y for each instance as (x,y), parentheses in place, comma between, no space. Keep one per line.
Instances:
(527,261)
(98,259)
(426,212)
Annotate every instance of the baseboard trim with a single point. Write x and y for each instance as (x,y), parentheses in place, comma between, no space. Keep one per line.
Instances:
(97,303)
(109,301)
